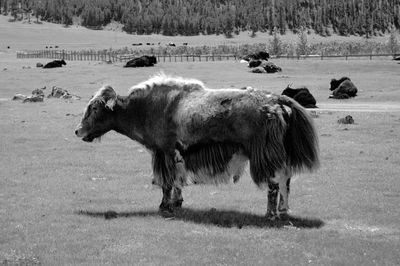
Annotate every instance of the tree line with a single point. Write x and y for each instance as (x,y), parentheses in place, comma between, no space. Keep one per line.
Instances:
(228,17)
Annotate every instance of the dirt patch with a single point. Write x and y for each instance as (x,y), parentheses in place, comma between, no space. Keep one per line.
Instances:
(359,228)
(360,107)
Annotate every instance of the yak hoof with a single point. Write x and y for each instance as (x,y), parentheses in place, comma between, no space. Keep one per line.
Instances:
(284,216)
(178,204)
(166,208)
(271,216)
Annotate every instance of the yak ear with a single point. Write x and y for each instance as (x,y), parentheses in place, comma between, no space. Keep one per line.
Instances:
(109,96)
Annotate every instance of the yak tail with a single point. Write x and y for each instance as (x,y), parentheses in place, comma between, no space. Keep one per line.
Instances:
(300,140)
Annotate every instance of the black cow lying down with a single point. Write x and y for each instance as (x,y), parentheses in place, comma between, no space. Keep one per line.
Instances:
(55,63)
(143,61)
(342,88)
(256,56)
(263,66)
(302,95)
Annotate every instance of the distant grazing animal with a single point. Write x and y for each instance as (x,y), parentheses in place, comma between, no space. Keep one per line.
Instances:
(55,63)
(39,65)
(143,61)
(302,95)
(397,58)
(342,88)
(201,135)
(256,56)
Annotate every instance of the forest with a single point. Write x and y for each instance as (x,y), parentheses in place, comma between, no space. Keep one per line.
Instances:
(228,17)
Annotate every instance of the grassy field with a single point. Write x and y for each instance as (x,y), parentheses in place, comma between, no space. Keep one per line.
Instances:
(66,202)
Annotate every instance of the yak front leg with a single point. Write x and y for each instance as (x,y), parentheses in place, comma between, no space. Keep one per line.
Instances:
(165,176)
(165,205)
(180,180)
(273,189)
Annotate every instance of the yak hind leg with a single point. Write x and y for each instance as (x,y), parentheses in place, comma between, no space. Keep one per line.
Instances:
(278,195)
(284,189)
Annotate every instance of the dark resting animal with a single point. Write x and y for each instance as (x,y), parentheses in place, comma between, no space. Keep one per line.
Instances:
(342,88)
(55,63)
(201,135)
(256,56)
(263,66)
(143,61)
(302,95)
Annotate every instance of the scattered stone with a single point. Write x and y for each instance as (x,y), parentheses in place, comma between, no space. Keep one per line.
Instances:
(33,99)
(346,120)
(57,92)
(37,96)
(19,97)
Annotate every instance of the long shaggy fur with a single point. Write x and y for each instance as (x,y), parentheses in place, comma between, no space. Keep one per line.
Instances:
(215,132)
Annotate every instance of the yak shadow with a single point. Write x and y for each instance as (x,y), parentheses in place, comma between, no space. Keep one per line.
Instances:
(222,218)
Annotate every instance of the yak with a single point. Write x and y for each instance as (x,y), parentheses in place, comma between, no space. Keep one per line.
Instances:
(263,66)
(342,88)
(143,61)
(256,56)
(55,63)
(200,135)
(302,95)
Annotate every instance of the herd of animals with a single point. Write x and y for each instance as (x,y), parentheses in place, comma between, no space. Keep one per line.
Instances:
(188,143)
(342,88)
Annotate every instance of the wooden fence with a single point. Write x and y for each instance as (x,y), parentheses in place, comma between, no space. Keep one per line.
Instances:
(117,57)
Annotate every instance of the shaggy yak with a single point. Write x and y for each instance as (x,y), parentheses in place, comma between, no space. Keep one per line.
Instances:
(55,63)
(143,61)
(302,95)
(201,135)
(342,88)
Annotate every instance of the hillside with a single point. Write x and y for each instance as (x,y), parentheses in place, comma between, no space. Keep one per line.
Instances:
(226,17)
(22,35)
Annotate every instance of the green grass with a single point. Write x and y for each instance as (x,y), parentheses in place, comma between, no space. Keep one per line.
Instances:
(66,202)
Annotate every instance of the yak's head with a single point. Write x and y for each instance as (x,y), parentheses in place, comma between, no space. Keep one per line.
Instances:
(98,118)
